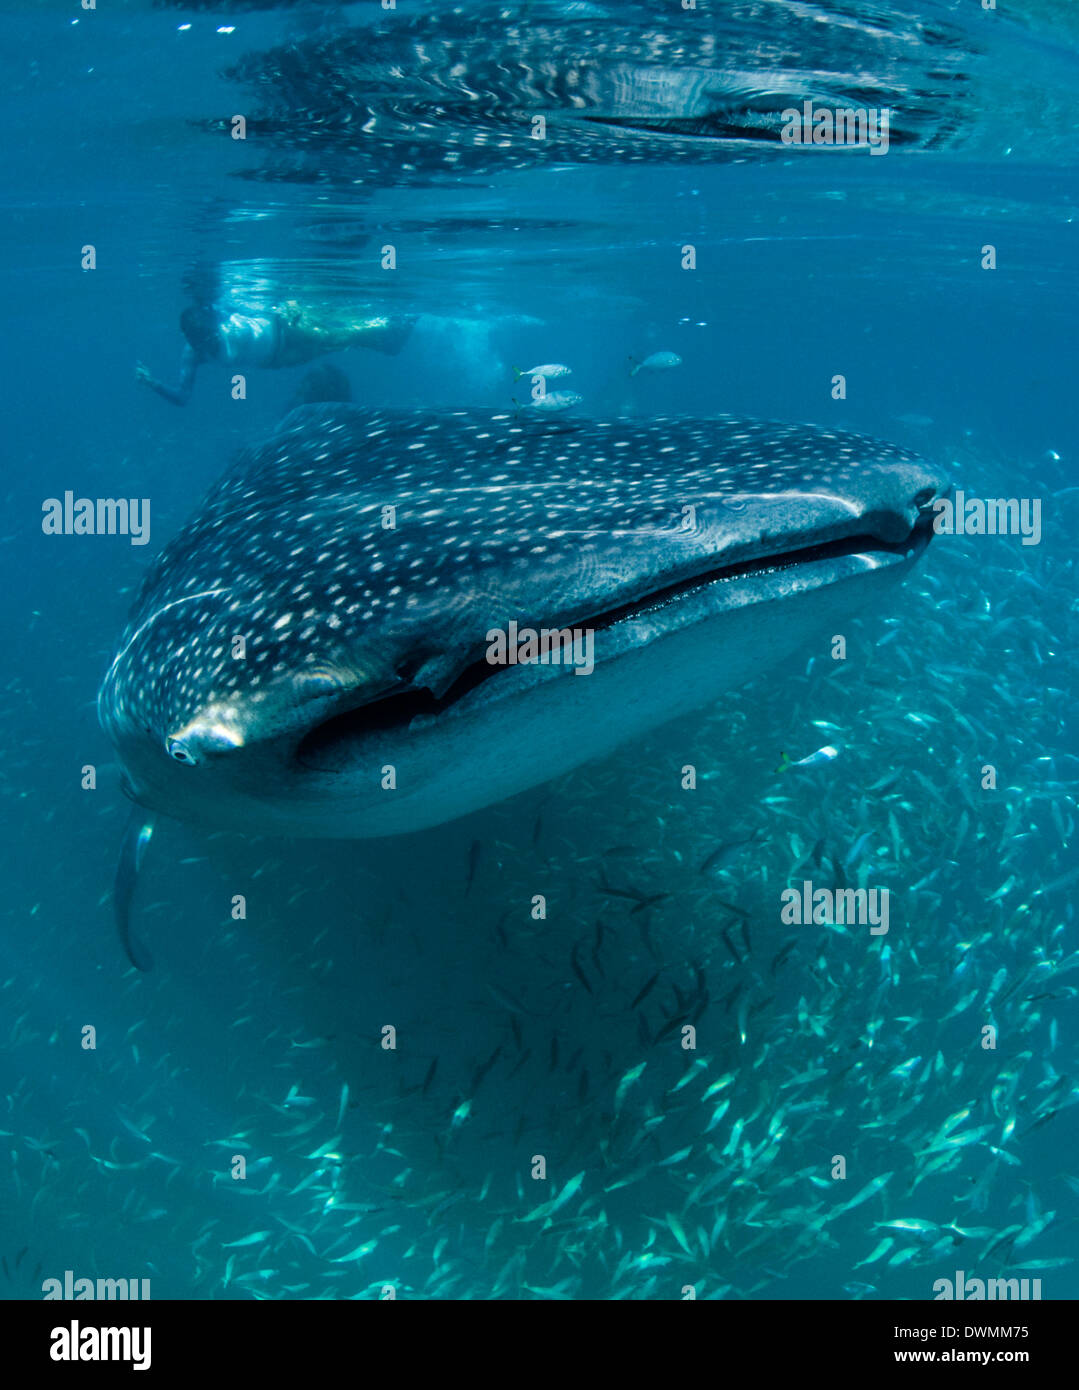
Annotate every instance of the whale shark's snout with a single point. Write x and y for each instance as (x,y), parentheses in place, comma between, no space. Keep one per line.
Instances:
(381,621)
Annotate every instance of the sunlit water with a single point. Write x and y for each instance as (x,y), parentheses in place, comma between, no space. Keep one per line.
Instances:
(417,133)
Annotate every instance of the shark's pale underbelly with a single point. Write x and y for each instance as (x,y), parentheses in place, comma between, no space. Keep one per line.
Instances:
(529,724)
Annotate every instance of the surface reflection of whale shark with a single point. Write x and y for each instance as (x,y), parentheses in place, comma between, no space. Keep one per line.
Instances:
(311,655)
(459,94)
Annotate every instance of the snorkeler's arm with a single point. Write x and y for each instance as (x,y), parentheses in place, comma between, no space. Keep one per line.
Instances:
(178,395)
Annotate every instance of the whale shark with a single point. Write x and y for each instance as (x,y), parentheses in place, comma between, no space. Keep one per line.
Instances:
(312,654)
(448,94)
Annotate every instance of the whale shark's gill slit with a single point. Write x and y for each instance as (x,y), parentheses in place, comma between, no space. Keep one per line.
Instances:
(394,712)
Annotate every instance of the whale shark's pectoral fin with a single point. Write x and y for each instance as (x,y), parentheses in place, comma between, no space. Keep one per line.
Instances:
(137,832)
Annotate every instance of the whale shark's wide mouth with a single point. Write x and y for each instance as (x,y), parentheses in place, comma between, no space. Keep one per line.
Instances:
(396,712)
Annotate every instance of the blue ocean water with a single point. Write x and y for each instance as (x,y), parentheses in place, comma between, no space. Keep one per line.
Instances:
(516,1038)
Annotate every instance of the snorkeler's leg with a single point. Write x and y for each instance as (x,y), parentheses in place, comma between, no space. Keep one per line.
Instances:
(302,337)
(388,334)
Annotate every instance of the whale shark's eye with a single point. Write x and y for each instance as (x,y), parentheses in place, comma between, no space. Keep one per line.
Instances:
(176,749)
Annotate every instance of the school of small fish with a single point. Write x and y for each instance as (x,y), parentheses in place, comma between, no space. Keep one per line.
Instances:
(422,1085)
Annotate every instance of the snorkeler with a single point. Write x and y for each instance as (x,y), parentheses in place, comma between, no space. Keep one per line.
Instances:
(284,336)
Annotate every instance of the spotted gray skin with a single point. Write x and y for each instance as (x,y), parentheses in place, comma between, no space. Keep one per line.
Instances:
(291,644)
(449,94)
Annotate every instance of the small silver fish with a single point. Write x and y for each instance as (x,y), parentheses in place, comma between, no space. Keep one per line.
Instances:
(818,759)
(550,371)
(555,401)
(255,1238)
(656,362)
